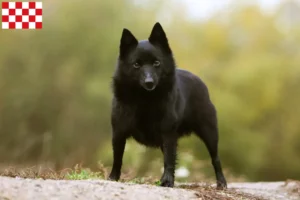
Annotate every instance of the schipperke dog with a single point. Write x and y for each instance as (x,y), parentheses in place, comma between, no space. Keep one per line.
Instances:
(156,104)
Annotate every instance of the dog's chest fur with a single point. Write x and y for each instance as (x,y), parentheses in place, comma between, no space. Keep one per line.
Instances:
(148,124)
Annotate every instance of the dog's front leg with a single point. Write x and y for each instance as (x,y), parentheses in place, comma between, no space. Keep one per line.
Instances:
(169,148)
(118,144)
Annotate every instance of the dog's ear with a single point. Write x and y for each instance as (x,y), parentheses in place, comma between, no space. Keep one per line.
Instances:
(158,37)
(128,42)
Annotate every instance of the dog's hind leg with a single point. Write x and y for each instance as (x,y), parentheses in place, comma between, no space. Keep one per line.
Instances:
(207,130)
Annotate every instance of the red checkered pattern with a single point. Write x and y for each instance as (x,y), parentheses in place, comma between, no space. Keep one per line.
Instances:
(22,15)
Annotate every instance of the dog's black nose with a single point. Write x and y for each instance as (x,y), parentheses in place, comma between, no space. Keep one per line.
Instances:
(149,83)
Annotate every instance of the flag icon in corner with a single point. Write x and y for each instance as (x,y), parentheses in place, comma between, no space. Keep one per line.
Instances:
(22,15)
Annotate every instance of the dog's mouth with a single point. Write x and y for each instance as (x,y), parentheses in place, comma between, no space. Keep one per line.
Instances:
(149,87)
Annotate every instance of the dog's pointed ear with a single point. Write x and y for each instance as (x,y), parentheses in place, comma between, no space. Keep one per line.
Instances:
(128,42)
(158,37)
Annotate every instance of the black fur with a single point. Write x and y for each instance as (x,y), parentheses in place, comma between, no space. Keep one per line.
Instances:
(156,104)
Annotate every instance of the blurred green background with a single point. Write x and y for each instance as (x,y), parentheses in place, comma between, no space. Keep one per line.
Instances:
(55,86)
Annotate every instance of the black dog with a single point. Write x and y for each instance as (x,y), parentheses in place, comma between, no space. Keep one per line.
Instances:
(156,104)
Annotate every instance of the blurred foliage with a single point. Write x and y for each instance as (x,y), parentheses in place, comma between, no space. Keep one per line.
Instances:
(55,86)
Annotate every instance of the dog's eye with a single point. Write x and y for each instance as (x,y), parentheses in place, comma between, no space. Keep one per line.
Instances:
(156,63)
(136,65)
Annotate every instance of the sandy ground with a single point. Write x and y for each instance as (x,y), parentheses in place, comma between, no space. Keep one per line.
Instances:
(271,190)
(38,189)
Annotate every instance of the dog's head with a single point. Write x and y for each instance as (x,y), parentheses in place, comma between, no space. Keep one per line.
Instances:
(146,61)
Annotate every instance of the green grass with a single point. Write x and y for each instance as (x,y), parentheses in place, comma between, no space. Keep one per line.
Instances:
(157,183)
(83,174)
(143,180)
(137,181)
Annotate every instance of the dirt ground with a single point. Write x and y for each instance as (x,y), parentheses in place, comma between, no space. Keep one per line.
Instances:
(39,189)
(289,190)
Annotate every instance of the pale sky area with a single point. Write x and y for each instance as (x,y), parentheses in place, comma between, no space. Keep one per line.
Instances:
(205,8)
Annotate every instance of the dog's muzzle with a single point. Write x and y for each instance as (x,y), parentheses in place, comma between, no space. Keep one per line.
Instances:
(149,84)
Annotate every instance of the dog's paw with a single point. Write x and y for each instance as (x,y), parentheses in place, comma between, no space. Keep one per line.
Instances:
(167,181)
(221,184)
(113,177)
